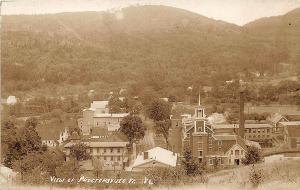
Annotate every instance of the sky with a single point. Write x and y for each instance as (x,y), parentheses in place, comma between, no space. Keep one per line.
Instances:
(239,12)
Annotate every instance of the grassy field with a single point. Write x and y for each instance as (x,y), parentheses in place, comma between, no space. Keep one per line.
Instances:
(276,176)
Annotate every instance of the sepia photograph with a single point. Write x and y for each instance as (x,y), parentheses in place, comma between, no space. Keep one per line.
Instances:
(150,94)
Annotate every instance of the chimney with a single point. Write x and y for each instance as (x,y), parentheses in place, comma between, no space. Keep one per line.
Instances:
(145,155)
(242,115)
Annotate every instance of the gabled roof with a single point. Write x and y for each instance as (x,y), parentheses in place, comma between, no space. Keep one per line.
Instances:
(275,118)
(157,154)
(49,132)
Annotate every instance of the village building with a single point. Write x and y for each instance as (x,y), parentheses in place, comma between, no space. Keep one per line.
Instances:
(11,100)
(52,136)
(110,148)
(155,157)
(98,116)
(291,133)
(213,144)
(274,119)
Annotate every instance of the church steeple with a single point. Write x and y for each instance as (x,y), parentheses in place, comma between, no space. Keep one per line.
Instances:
(199,111)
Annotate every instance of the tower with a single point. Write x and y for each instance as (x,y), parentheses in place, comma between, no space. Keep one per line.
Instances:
(199,111)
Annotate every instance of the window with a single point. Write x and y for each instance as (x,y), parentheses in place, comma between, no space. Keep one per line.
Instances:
(111,158)
(119,150)
(111,150)
(254,131)
(258,130)
(237,152)
(119,158)
(104,157)
(231,152)
(268,130)
(200,153)
(210,161)
(200,145)
(263,130)
(104,150)
(220,160)
(220,143)
(200,160)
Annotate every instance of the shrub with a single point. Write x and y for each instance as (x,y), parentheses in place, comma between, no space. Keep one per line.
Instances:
(252,156)
(255,176)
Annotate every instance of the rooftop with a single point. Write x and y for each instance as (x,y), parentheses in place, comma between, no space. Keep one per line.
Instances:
(115,115)
(258,125)
(99,104)
(158,154)
(225,137)
(290,123)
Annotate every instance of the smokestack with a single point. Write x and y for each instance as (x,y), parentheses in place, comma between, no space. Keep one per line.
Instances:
(242,115)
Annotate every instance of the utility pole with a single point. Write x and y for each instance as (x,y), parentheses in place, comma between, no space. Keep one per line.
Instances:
(1,2)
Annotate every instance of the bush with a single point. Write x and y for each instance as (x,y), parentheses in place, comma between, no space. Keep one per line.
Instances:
(255,177)
(252,156)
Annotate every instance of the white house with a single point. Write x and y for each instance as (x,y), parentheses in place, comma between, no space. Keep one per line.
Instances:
(11,100)
(155,157)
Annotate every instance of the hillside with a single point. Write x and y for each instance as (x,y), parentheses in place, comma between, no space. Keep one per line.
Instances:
(150,46)
(281,32)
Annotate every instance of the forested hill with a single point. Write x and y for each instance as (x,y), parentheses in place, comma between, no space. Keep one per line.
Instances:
(156,46)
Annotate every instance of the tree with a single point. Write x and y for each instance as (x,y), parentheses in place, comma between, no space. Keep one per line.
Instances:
(191,166)
(79,152)
(132,126)
(159,110)
(69,169)
(18,142)
(98,166)
(252,156)
(163,127)
(115,105)
(8,140)
(255,176)
(31,122)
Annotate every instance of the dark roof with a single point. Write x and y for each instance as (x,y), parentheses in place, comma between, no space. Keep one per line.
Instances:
(293,117)
(49,132)
(293,131)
